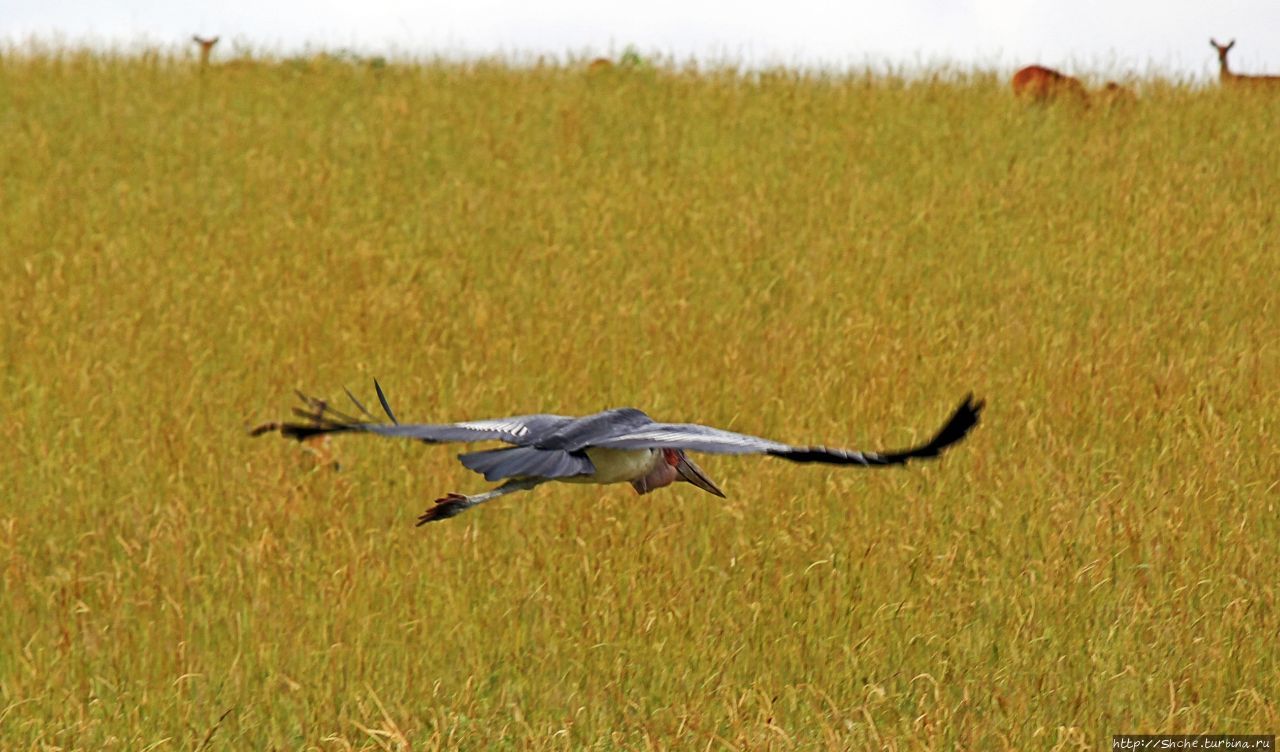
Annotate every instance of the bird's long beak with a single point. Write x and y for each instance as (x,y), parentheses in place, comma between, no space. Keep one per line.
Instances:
(691,473)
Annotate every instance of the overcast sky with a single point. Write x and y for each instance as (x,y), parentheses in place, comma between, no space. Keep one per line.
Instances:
(1102,37)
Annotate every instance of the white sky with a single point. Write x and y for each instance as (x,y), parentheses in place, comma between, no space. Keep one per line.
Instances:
(1102,37)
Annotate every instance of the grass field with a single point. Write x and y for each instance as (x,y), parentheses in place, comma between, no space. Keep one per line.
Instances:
(831,260)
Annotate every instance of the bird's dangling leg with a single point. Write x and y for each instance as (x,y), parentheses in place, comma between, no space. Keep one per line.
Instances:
(451,505)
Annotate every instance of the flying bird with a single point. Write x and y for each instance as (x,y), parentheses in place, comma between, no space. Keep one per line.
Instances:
(622,445)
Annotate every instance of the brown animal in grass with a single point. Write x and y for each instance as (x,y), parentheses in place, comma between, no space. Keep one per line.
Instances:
(206,47)
(1227,78)
(1042,84)
(1114,95)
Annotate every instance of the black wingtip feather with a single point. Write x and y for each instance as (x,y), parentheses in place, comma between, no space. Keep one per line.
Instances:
(962,421)
(297,431)
(320,418)
(383,399)
(958,426)
(359,405)
(258,430)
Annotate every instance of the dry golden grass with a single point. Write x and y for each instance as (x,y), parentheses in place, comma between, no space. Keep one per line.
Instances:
(813,259)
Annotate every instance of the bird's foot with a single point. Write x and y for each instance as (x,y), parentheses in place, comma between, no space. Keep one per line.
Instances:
(449,505)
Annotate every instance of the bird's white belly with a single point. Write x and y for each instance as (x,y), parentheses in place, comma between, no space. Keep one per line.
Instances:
(617,465)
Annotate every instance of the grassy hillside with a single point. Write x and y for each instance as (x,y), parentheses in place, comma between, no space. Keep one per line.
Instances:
(834,261)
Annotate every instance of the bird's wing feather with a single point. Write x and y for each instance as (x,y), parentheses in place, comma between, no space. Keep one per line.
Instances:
(319,417)
(526,462)
(520,430)
(696,438)
(689,436)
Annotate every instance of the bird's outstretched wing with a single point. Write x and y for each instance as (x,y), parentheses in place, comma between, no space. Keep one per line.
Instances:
(696,438)
(319,417)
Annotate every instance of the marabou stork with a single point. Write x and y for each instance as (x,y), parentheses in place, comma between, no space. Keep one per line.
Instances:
(614,446)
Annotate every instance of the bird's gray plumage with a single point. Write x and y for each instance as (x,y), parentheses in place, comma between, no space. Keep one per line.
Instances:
(526,462)
(689,436)
(587,431)
(520,430)
(548,447)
